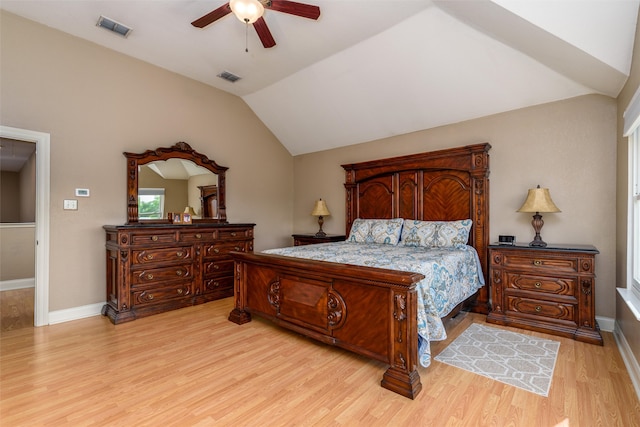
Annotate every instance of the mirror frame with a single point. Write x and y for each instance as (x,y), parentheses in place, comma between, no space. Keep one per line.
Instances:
(180,150)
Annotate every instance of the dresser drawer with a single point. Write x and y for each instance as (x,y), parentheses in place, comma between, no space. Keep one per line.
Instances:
(218,284)
(238,233)
(174,254)
(219,249)
(551,310)
(161,274)
(541,284)
(162,294)
(222,267)
(145,238)
(193,236)
(539,262)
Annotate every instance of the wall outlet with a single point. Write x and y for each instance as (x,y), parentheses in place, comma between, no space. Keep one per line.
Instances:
(70,205)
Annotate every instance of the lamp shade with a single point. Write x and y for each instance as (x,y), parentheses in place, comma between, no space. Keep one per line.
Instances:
(538,200)
(320,209)
(248,11)
(189,210)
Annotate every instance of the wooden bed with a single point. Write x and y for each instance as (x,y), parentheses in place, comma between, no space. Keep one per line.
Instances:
(372,311)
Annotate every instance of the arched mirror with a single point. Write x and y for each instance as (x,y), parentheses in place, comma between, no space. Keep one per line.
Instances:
(174,179)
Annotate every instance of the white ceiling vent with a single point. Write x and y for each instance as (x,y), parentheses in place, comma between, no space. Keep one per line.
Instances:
(111,25)
(229,76)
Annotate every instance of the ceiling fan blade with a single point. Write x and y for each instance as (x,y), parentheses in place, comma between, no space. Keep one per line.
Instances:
(213,16)
(263,32)
(295,8)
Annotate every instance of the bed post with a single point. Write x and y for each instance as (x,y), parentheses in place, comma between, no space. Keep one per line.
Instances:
(402,376)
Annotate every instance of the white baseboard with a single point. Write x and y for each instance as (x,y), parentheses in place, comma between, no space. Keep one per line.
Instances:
(606,324)
(75,313)
(629,359)
(10,285)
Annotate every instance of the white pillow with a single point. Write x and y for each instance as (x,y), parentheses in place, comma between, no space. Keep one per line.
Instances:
(382,231)
(436,234)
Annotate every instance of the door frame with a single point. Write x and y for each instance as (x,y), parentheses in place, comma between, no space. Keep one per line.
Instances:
(43,170)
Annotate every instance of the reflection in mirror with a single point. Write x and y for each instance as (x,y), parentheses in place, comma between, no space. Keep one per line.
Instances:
(171,186)
(174,179)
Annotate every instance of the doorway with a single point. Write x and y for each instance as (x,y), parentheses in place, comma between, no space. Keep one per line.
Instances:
(42,141)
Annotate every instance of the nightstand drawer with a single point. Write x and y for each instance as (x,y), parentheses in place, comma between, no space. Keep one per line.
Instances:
(540,262)
(538,308)
(541,284)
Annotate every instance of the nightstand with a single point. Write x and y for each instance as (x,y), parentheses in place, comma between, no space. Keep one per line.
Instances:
(548,289)
(310,239)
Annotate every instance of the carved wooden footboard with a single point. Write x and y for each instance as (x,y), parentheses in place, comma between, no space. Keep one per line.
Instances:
(369,311)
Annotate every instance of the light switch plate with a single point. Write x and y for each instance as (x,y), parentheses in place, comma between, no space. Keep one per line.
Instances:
(82,192)
(70,205)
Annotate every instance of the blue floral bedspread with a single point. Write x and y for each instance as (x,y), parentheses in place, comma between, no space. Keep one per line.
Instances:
(451,276)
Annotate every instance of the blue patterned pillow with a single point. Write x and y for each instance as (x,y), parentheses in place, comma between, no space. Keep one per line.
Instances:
(383,231)
(436,234)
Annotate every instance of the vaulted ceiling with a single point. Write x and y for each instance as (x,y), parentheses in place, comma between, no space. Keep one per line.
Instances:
(370,69)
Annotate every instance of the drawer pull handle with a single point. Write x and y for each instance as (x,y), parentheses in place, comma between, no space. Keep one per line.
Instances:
(216,267)
(537,285)
(216,251)
(154,238)
(179,272)
(179,291)
(149,276)
(234,234)
(216,284)
(179,254)
(537,262)
(149,256)
(237,248)
(198,236)
(150,296)
(538,308)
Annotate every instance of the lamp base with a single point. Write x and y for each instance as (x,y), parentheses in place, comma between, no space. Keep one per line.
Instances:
(538,244)
(537,223)
(321,233)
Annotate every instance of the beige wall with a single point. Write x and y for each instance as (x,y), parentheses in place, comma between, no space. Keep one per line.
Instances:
(625,319)
(96,103)
(17,251)
(567,146)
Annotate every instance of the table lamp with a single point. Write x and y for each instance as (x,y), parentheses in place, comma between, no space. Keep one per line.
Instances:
(538,200)
(320,210)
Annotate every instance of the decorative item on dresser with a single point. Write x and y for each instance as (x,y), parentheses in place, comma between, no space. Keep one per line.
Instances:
(312,239)
(161,264)
(548,289)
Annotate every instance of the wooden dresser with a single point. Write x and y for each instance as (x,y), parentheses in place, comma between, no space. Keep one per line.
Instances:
(152,268)
(548,289)
(311,239)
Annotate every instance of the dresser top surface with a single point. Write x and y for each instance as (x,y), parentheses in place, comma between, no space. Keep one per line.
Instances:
(564,247)
(172,226)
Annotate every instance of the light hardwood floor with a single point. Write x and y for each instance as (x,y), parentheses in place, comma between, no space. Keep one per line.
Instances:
(192,367)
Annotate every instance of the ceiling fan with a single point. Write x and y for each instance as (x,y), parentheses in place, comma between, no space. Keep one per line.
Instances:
(250,12)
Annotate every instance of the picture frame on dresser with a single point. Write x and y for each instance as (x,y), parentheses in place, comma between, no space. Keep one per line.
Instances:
(546,289)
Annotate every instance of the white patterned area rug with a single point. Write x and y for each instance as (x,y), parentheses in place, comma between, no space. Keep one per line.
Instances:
(519,360)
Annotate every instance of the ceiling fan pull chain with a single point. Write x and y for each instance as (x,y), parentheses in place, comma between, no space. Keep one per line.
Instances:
(246,35)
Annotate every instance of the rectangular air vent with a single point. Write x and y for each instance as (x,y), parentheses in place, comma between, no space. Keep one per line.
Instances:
(229,76)
(111,25)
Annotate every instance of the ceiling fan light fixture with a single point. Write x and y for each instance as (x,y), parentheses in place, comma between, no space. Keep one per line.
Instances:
(247,11)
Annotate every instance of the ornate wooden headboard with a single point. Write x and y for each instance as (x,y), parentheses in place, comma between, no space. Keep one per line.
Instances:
(442,185)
